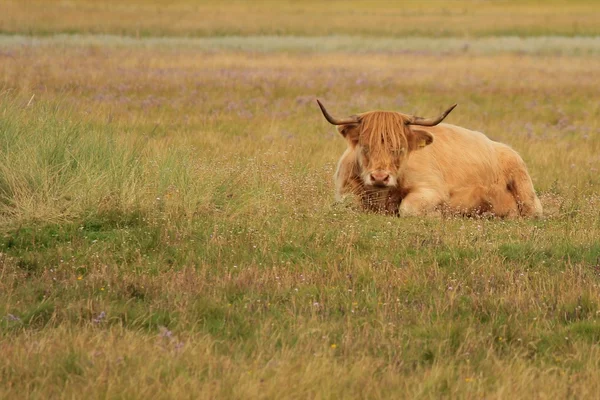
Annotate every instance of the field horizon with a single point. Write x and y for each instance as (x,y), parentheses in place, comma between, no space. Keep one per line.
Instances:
(167,221)
(373,18)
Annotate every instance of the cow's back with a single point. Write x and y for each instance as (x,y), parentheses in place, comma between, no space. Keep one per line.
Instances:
(457,157)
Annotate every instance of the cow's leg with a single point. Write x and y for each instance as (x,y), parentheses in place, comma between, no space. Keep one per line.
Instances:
(347,181)
(470,200)
(520,186)
(527,201)
(421,202)
(350,187)
(502,202)
(479,200)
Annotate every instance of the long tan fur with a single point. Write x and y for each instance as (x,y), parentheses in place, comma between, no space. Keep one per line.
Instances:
(444,168)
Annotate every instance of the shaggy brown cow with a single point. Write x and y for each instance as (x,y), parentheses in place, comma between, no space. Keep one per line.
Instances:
(398,163)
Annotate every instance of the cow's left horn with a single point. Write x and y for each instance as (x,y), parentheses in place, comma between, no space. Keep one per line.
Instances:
(430,121)
(337,121)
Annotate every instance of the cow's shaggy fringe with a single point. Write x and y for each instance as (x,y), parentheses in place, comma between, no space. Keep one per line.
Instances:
(382,130)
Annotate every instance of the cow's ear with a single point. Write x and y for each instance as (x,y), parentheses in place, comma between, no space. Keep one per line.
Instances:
(350,132)
(419,139)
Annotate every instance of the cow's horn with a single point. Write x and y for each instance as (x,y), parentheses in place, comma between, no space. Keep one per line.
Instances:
(337,121)
(430,121)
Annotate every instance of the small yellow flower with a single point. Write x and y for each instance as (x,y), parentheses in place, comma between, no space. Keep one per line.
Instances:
(500,339)
(102,289)
(79,277)
(334,346)
(468,379)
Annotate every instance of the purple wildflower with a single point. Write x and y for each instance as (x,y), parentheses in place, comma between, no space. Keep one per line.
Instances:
(99,318)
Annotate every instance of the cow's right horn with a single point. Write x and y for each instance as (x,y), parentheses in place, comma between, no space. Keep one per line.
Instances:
(337,121)
(430,121)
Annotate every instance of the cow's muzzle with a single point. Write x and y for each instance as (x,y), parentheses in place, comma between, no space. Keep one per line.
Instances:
(380,178)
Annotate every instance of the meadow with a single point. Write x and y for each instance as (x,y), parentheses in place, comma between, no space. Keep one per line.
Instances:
(167,221)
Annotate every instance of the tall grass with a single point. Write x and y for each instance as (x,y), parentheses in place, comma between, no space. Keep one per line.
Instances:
(55,167)
(58,166)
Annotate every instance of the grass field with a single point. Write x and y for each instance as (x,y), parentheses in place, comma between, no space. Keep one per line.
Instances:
(167,224)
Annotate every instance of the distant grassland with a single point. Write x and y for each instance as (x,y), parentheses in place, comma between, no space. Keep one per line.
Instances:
(303,18)
(539,45)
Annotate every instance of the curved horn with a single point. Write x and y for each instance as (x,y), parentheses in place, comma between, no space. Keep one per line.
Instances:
(337,121)
(430,121)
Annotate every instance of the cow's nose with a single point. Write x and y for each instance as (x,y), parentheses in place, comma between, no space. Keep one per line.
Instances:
(380,177)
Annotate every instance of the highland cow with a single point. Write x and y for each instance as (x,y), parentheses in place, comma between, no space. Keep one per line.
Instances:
(407,165)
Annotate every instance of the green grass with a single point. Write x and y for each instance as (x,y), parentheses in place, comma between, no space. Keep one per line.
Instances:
(168,230)
(258,283)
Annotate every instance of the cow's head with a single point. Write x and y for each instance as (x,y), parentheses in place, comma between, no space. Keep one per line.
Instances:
(384,140)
